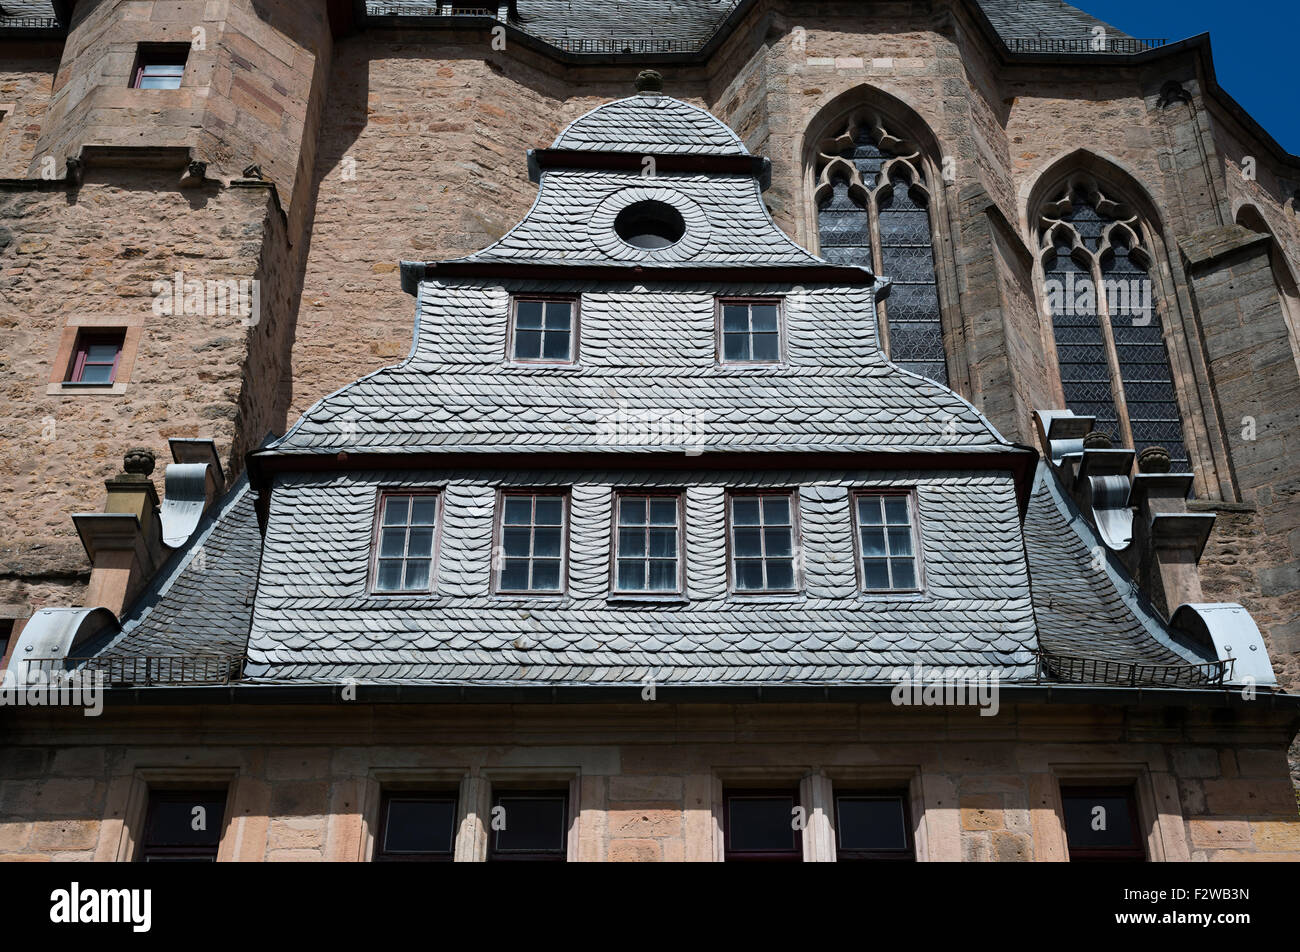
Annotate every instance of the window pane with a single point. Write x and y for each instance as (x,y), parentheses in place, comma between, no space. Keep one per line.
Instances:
(528,345)
(558,315)
(101,353)
(778,541)
(663,543)
(663,512)
(749,574)
(396,509)
(631,575)
(776,510)
(424,510)
(780,573)
(896,510)
(870,823)
(532,824)
(764,318)
(869,510)
(515,541)
(392,543)
(744,511)
(631,542)
(419,826)
(900,541)
(546,575)
(748,543)
(873,541)
(420,545)
(557,345)
(172,820)
(875,574)
(761,824)
(735,346)
(663,575)
(389,576)
(1097,821)
(631,510)
(519,510)
(528,315)
(514,575)
(767,347)
(96,373)
(904,573)
(550,511)
(546,541)
(417,574)
(735,318)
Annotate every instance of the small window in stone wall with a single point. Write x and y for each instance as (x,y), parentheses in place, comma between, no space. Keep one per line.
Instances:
(762,826)
(1101,824)
(417,826)
(160,66)
(873,825)
(183,826)
(529,825)
(96,357)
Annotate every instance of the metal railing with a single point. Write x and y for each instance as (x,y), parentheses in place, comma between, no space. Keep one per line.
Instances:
(145,670)
(28,23)
(1075,670)
(1085,44)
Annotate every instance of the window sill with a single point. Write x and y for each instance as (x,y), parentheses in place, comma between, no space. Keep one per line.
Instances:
(68,387)
(647,598)
(750,598)
(895,595)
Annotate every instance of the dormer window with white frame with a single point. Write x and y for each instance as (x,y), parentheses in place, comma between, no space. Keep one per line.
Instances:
(543,330)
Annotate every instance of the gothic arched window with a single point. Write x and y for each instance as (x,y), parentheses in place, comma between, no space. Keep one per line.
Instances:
(1110,345)
(873,209)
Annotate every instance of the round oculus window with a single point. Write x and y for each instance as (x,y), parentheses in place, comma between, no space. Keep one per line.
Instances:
(650,225)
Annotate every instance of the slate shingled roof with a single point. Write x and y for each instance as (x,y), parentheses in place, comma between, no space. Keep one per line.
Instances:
(654,124)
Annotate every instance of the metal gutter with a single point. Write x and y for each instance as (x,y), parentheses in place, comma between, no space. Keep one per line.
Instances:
(276,694)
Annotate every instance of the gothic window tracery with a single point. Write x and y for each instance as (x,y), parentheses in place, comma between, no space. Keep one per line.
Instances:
(1110,346)
(873,209)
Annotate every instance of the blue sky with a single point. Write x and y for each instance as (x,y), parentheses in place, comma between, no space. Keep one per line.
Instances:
(1254,41)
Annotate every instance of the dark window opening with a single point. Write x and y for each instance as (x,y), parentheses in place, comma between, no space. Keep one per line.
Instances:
(543,331)
(96,357)
(872,826)
(650,225)
(1101,824)
(751,332)
(529,826)
(416,827)
(762,826)
(183,826)
(160,66)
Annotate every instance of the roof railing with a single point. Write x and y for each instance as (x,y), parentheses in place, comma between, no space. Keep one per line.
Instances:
(144,670)
(1078,670)
(28,23)
(1086,44)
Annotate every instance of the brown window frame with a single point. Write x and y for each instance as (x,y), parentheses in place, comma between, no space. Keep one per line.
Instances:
(85,339)
(160,54)
(796,529)
(575,335)
(154,795)
(641,594)
(720,358)
(381,853)
(377,530)
(905,855)
(516,856)
(914,524)
(498,543)
(1135,852)
(760,856)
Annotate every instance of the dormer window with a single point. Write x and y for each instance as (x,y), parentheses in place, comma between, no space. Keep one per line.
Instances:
(544,330)
(750,331)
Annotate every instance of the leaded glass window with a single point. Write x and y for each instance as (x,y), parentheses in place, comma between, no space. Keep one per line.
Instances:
(873,209)
(1110,345)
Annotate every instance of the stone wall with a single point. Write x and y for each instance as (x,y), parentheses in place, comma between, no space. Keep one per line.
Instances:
(26,78)
(647,779)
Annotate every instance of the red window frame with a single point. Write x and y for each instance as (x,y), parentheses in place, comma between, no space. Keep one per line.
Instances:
(81,353)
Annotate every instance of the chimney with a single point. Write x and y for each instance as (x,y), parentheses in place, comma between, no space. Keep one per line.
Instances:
(124,542)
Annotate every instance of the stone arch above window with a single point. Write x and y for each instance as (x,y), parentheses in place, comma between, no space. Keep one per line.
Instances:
(1104,304)
(874,208)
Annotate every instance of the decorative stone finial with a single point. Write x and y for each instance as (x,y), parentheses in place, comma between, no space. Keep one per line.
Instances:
(1153,459)
(139,461)
(649,81)
(1097,440)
